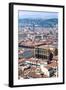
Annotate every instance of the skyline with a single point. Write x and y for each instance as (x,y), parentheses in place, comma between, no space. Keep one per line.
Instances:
(36,15)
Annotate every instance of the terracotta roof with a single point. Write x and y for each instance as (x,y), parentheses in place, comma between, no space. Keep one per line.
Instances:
(53,64)
(48,67)
(21,60)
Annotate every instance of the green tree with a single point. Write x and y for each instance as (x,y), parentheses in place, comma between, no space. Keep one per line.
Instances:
(56,52)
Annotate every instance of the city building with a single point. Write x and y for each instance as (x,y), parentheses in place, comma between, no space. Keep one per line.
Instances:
(48,71)
(42,52)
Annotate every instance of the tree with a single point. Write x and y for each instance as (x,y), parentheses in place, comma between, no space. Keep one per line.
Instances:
(56,52)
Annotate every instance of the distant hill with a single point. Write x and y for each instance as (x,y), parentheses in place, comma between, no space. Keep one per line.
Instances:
(38,22)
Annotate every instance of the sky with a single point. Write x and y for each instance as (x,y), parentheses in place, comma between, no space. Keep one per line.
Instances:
(35,15)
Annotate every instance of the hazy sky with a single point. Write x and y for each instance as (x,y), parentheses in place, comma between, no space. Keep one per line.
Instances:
(34,15)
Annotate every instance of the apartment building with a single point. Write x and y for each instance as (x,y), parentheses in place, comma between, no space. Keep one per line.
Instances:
(42,52)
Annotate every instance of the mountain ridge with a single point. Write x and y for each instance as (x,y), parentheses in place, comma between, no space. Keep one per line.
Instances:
(38,22)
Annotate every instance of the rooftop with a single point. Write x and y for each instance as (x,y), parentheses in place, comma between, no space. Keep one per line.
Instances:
(46,46)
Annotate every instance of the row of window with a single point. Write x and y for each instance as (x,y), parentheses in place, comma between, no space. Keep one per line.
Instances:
(41,56)
(41,51)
